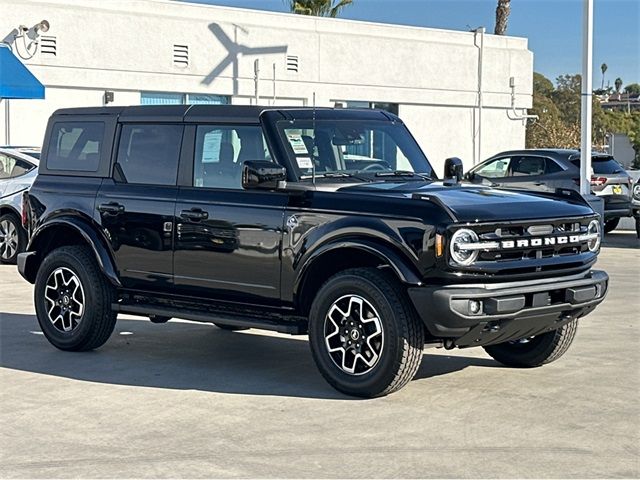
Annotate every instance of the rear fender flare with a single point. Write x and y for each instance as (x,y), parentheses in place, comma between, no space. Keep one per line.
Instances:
(94,240)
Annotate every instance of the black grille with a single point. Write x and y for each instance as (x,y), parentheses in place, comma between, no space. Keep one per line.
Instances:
(527,259)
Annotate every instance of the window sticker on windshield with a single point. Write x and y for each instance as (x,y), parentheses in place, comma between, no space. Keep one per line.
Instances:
(297,144)
(304,162)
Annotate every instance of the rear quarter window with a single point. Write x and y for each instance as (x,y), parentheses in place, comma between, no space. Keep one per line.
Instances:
(602,165)
(75,146)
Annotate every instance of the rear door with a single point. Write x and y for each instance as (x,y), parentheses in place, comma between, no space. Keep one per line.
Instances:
(136,207)
(228,240)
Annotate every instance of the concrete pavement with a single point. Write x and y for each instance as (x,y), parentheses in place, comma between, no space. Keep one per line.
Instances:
(189,400)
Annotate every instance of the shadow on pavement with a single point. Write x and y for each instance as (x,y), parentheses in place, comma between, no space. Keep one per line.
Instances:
(188,357)
(620,239)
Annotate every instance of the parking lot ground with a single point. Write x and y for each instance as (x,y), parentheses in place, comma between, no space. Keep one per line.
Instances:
(189,400)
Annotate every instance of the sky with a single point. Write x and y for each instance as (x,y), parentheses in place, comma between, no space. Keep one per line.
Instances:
(553,27)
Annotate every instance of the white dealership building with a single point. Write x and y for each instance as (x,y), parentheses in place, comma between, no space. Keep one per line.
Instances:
(461,93)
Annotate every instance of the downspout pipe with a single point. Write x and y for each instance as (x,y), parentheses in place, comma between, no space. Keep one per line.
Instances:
(479,31)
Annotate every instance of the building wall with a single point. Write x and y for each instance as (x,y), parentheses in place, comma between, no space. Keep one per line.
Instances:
(127,47)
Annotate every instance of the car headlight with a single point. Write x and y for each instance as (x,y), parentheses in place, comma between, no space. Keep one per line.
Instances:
(636,191)
(458,253)
(594,229)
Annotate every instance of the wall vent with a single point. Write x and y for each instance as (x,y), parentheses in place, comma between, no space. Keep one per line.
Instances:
(181,56)
(292,63)
(48,46)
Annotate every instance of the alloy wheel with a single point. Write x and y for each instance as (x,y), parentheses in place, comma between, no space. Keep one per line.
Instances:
(65,298)
(8,240)
(353,334)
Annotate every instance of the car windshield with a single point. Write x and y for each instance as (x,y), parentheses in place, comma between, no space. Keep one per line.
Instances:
(353,148)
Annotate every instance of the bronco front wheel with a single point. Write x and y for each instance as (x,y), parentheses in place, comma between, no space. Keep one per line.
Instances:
(364,336)
(535,351)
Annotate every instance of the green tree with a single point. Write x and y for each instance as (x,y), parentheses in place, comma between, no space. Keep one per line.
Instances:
(632,88)
(603,68)
(502,16)
(618,84)
(318,8)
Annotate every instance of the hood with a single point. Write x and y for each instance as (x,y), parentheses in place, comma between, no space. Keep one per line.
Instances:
(474,203)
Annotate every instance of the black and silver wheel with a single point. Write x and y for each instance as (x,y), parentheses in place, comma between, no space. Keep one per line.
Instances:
(73,300)
(535,351)
(12,238)
(364,335)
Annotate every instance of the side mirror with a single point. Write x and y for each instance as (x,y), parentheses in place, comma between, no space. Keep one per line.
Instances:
(262,174)
(453,169)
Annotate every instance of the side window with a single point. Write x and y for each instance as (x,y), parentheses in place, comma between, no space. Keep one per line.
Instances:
(220,152)
(6,166)
(552,166)
(149,154)
(495,169)
(75,146)
(527,166)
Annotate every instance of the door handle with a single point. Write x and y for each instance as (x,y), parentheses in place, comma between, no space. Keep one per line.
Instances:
(539,184)
(194,214)
(111,208)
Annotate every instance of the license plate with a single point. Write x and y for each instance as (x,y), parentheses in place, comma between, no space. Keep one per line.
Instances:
(617,189)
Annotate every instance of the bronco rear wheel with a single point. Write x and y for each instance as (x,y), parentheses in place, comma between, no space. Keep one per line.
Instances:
(364,335)
(535,351)
(73,300)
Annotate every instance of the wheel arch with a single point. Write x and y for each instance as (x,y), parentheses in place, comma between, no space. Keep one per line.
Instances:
(62,231)
(334,257)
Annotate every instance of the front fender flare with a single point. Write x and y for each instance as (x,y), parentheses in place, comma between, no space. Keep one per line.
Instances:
(401,265)
(95,241)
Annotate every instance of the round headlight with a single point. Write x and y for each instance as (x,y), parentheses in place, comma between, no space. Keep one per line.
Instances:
(458,253)
(636,191)
(594,227)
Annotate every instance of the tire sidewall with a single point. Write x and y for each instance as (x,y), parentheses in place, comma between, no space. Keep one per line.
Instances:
(65,340)
(384,371)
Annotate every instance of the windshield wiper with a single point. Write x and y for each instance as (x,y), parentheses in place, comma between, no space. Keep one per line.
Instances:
(327,175)
(403,173)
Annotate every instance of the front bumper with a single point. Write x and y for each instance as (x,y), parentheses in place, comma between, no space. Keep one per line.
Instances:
(507,311)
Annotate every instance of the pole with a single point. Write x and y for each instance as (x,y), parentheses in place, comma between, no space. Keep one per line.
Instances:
(7,119)
(479,30)
(256,69)
(587,73)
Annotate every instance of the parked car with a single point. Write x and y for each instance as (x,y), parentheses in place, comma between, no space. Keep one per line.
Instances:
(18,170)
(31,151)
(548,169)
(635,205)
(324,222)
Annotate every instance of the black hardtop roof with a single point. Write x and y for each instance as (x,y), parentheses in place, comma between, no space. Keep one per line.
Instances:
(564,153)
(226,113)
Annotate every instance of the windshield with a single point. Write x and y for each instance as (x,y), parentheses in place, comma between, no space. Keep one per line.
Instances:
(345,148)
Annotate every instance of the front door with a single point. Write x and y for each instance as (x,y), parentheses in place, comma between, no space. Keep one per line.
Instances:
(227,240)
(136,208)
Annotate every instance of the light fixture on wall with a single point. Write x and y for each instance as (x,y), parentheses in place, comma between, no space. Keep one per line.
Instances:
(108,97)
(29,36)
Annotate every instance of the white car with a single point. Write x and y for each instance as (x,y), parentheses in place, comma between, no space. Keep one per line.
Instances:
(18,170)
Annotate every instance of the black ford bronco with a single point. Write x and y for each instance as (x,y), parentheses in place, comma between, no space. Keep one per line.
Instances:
(329,222)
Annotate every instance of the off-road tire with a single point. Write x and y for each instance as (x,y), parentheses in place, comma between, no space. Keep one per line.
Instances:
(230,328)
(98,319)
(540,350)
(403,332)
(611,225)
(11,219)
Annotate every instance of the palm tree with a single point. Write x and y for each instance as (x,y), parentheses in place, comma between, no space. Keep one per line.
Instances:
(603,67)
(502,15)
(618,84)
(318,8)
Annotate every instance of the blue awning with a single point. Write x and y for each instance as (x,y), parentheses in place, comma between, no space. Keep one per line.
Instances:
(16,81)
